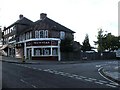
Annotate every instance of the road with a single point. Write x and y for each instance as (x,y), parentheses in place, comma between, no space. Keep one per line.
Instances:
(81,75)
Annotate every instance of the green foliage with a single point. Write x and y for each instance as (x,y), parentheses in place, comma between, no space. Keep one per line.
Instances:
(107,41)
(86,45)
(66,45)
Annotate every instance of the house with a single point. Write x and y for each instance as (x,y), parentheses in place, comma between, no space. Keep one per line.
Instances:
(38,40)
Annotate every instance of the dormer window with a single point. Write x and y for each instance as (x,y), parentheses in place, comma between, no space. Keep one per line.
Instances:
(62,34)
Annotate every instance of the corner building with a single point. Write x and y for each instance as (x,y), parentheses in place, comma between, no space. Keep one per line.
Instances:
(38,40)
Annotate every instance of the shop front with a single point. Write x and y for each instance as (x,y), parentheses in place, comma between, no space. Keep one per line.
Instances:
(39,49)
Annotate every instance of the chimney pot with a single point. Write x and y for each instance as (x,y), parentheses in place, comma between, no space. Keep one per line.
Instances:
(43,16)
(20,16)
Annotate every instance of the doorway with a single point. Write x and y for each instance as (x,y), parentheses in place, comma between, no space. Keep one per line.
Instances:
(29,53)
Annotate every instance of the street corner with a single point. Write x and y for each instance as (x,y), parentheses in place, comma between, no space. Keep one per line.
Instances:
(110,75)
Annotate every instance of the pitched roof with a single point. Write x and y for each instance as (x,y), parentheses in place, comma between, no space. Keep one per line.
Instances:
(54,25)
(22,21)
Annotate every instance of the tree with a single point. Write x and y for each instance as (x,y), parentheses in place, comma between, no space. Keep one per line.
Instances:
(86,45)
(66,45)
(107,42)
(100,41)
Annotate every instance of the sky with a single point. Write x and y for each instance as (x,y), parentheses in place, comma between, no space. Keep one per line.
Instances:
(82,16)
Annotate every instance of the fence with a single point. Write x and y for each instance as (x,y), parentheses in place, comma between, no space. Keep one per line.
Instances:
(88,56)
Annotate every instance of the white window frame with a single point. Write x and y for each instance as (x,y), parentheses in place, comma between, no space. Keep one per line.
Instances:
(62,35)
(36,34)
(41,34)
(30,35)
(46,33)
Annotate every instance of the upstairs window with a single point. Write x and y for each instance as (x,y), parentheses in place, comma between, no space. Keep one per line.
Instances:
(41,34)
(46,33)
(62,35)
(36,34)
(23,37)
(30,35)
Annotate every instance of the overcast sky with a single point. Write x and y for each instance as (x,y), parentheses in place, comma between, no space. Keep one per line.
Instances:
(82,16)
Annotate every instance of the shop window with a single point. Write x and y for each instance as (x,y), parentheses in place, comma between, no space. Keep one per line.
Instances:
(37,52)
(55,51)
(46,51)
(42,51)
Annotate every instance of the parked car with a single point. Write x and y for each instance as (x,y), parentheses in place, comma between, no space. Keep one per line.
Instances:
(118,54)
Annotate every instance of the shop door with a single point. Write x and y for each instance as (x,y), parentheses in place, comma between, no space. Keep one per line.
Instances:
(29,53)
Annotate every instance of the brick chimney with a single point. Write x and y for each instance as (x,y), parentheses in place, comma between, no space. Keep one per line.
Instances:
(4,28)
(43,16)
(20,16)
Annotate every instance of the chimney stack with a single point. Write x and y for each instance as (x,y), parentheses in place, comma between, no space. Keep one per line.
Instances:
(4,28)
(20,16)
(43,16)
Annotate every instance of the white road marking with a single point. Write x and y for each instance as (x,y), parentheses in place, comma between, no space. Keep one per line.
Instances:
(50,71)
(56,72)
(114,84)
(60,72)
(104,76)
(33,86)
(78,78)
(39,69)
(67,73)
(45,70)
(110,85)
(29,67)
(22,80)
(88,80)
(99,82)
(82,76)
(34,68)
(63,74)
(92,79)
(27,83)
(103,81)
(74,75)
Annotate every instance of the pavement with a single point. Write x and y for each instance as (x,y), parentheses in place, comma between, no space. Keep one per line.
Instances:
(109,72)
